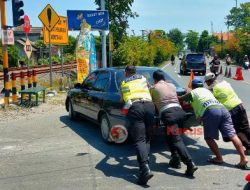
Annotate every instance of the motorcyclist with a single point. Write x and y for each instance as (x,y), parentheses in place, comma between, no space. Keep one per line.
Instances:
(172,59)
(228,60)
(215,64)
(246,62)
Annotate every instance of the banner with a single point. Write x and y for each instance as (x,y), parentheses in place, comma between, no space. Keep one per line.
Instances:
(98,20)
(85,52)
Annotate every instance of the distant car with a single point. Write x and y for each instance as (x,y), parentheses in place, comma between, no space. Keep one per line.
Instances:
(193,61)
(98,98)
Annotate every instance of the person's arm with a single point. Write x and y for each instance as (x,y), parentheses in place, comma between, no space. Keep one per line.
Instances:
(186,97)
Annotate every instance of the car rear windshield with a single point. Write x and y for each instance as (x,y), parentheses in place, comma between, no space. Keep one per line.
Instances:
(196,57)
(147,73)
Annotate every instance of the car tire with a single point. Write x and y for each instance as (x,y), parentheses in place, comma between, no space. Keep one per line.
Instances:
(105,128)
(72,113)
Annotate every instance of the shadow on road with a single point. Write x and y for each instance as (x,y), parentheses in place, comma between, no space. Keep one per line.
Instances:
(119,154)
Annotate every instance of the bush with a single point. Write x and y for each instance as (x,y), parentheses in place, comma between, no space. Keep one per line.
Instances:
(1,67)
(68,58)
(55,59)
(43,61)
(134,51)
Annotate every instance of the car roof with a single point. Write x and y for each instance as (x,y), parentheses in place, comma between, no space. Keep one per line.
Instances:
(113,69)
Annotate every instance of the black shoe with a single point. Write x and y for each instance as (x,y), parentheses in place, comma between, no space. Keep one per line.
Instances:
(175,163)
(144,175)
(191,168)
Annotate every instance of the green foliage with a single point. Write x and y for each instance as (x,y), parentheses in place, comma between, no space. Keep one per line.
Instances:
(69,58)
(206,41)
(70,48)
(43,61)
(40,44)
(239,18)
(13,53)
(55,59)
(119,13)
(176,36)
(134,51)
(164,48)
(98,43)
(192,39)
(137,51)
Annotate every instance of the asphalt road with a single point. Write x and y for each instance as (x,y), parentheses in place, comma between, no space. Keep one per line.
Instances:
(48,151)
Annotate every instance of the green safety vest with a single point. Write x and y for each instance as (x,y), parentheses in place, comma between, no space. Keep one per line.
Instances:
(202,100)
(225,94)
(135,87)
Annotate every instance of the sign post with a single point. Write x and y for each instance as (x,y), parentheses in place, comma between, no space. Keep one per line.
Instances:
(49,18)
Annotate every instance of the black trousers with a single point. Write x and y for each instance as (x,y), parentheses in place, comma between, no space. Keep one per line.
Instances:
(140,124)
(173,118)
(241,124)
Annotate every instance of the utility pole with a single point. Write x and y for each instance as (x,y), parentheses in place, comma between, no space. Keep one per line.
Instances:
(104,50)
(5,55)
(212,27)
(236,1)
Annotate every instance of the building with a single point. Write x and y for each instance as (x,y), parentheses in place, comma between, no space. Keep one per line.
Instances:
(225,36)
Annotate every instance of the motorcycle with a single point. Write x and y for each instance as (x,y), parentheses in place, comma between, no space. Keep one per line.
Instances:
(215,69)
(246,65)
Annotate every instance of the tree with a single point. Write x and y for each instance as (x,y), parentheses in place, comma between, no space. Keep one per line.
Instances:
(239,18)
(119,13)
(13,53)
(70,48)
(134,51)
(176,36)
(192,39)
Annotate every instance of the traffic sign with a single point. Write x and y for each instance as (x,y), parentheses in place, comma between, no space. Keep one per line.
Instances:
(28,48)
(26,25)
(59,34)
(49,17)
(8,37)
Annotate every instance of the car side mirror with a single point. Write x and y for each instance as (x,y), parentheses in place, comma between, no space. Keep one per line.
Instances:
(77,85)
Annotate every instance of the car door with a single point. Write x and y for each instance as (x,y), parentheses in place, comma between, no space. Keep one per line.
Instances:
(87,86)
(97,95)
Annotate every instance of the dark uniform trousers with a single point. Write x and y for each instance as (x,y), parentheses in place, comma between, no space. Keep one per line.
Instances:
(140,123)
(240,121)
(173,118)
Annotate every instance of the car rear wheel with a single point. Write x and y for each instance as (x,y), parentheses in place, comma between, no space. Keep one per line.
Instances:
(72,113)
(105,128)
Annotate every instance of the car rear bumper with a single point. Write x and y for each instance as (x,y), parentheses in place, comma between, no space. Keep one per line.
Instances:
(196,70)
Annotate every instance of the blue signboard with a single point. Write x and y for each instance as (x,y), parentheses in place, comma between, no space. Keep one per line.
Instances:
(99,20)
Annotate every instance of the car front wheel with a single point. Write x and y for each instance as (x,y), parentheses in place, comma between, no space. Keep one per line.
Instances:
(105,128)
(72,113)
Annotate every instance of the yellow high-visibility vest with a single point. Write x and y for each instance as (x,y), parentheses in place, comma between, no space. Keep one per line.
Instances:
(135,87)
(225,94)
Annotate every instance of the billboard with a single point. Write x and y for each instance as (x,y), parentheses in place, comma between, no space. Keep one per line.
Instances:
(98,20)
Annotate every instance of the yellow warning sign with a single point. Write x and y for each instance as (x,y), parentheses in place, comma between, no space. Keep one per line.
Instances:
(59,34)
(49,17)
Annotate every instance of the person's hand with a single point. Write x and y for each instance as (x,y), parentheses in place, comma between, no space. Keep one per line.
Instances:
(188,90)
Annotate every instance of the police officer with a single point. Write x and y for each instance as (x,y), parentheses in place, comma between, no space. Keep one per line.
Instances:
(172,115)
(215,118)
(140,118)
(225,94)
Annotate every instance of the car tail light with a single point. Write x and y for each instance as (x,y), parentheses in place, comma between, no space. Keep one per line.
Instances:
(124,111)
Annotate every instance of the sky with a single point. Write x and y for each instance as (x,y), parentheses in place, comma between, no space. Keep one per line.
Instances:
(186,15)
